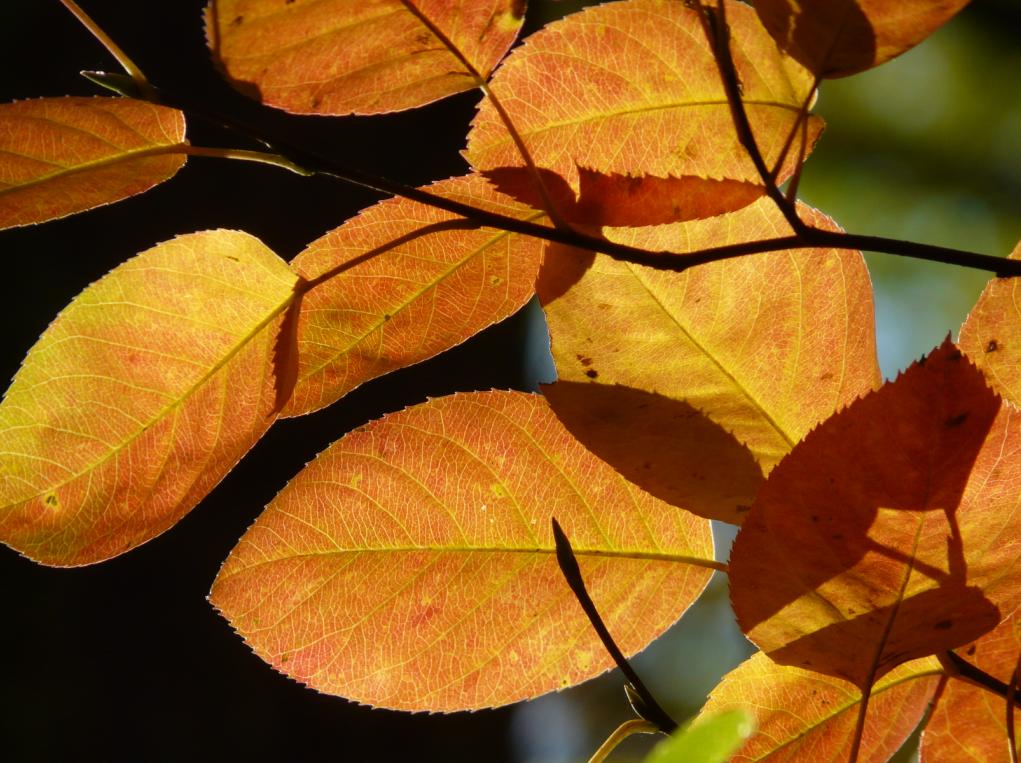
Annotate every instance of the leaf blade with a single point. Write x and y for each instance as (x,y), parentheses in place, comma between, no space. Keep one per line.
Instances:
(107,428)
(337,57)
(438,517)
(59,156)
(709,392)
(427,293)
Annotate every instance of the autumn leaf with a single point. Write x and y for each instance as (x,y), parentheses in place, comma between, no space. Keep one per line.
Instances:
(801,715)
(695,384)
(835,38)
(632,89)
(434,284)
(968,722)
(890,532)
(339,57)
(59,156)
(412,565)
(140,396)
(991,335)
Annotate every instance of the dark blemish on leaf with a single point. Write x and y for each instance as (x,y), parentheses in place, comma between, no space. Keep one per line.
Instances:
(956,355)
(518,8)
(495,280)
(316,101)
(286,657)
(288,2)
(993,346)
(583,360)
(826,376)
(592,373)
(955,421)
(52,501)
(237,21)
(944,625)
(837,536)
(387,316)
(647,464)
(815,517)
(971,650)
(741,508)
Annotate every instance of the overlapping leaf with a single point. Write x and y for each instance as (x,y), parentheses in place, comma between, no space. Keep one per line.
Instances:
(430,287)
(370,57)
(991,335)
(801,715)
(140,396)
(632,88)
(891,531)
(835,38)
(711,739)
(412,564)
(969,723)
(695,384)
(59,156)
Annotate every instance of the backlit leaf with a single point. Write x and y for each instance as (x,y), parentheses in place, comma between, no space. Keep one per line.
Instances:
(713,739)
(969,723)
(412,564)
(59,156)
(991,335)
(632,88)
(892,531)
(696,384)
(368,57)
(839,37)
(140,396)
(433,289)
(801,715)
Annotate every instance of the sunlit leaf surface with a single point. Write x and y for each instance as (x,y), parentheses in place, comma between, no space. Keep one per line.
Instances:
(891,531)
(991,335)
(367,57)
(140,396)
(428,288)
(412,564)
(632,88)
(805,716)
(59,156)
(695,384)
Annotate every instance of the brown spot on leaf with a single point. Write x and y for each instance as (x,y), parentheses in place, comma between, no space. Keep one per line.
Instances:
(592,373)
(237,21)
(993,346)
(955,421)
(584,360)
(971,650)
(944,625)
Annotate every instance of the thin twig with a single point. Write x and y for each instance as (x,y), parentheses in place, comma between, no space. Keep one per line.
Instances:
(622,732)
(1015,686)
(718,32)
(482,83)
(652,710)
(956,666)
(112,47)
(260,157)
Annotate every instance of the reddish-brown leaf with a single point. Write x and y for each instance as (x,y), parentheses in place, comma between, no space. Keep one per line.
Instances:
(991,335)
(892,531)
(368,57)
(412,564)
(59,156)
(428,288)
(969,723)
(141,396)
(695,384)
(835,38)
(805,716)
(632,88)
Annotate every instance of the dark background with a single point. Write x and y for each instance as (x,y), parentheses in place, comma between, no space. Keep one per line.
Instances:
(126,660)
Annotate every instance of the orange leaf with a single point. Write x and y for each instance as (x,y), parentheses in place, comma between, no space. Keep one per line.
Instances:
(632,88)
(969,723)
(839,37)
(59,156)
(429,288)
(341,57)
(412,564)
(889,532)
(804,716)
(710,376)
(991,335)
(140,396)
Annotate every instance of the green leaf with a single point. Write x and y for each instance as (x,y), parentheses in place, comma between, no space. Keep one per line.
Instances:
(712,740)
